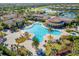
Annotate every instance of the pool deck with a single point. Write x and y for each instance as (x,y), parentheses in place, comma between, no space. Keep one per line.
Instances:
(11,40)
(28,43)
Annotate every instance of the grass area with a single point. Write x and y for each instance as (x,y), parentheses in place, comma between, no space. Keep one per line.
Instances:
(39,8)
(66,41)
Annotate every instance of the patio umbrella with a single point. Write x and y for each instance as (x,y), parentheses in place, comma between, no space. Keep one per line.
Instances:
(1,40)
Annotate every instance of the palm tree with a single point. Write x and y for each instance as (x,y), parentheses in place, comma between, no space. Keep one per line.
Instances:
(27,35)
(17,46)
(50,29)
(1,28)
(75,26)
(77,18)
(35,43)
(54,51)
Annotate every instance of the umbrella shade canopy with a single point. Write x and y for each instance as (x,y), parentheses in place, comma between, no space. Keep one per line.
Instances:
(40,52)
(1,40)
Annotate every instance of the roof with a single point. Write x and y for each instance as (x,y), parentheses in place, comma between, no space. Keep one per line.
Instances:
(58,19)
(11,21)
(8,22)
(10,15)
(18,19)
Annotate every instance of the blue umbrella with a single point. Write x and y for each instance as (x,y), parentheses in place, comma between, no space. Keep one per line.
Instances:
(40,52)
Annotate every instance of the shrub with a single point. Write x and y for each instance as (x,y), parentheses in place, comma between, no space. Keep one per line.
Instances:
(6,51)
(1,28)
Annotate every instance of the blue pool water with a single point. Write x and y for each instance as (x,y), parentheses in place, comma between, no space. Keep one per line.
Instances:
(40,31)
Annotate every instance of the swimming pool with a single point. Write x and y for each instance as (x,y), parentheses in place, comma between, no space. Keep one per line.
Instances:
(39,31)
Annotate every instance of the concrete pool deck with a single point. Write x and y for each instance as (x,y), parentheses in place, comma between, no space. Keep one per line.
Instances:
(28,43)
(11,40)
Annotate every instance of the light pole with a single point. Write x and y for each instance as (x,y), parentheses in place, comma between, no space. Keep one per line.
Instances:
(50,29)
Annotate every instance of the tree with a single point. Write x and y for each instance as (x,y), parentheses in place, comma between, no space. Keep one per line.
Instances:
(50,29)
(24,52)
(75,48)
(77,18)
(5,26)
(21,11)
(1,28)
(26,20)
(54,51)
(35,43)
(6,51)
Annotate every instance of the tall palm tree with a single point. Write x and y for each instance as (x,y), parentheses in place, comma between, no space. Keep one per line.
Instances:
(50,29)
(35,43)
